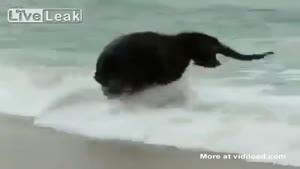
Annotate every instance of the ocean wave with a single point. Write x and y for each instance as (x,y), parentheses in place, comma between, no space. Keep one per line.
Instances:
(191,113)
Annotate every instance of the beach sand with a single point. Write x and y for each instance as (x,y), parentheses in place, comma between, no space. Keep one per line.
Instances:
(23,146)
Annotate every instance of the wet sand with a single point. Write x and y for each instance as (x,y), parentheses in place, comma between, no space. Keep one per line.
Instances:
(23,146)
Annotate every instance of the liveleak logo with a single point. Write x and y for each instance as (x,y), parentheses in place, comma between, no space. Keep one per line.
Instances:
(44,15)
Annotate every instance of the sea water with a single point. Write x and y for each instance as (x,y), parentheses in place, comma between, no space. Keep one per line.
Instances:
(46,72)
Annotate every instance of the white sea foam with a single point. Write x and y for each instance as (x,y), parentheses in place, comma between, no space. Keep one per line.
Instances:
(192,113)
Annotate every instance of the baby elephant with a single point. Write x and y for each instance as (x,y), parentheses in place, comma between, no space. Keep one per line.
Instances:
(135,61)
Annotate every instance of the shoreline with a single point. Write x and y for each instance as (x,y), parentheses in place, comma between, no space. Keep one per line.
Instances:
(24,146)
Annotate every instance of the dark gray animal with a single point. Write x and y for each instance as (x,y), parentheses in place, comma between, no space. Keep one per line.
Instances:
(135,61)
